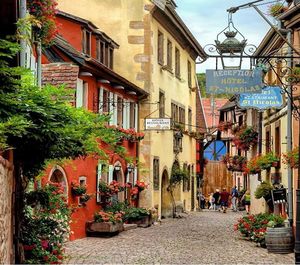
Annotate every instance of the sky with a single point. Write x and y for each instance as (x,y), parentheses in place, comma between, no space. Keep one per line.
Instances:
(206,18)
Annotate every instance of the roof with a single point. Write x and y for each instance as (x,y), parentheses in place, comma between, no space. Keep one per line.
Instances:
(212,112)
(95,67)
(228,106)
(178,24)
(91,26)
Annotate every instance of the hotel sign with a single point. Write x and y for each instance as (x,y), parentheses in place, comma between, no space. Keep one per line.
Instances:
(233,81)
(158,124)
(270,97)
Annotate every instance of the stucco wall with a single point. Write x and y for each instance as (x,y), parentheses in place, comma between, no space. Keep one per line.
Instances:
(6,184)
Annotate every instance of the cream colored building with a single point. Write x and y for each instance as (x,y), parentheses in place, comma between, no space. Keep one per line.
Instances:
(157,52)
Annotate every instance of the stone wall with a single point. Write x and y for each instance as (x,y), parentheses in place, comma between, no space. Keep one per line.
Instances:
(6,231)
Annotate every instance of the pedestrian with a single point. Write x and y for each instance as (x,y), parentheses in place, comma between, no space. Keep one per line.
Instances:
(211,201)
(247,201)
(234,198)
(224,195)
(202,201)
(216,196)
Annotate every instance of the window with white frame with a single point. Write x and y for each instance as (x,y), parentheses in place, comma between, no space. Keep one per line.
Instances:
(81,94)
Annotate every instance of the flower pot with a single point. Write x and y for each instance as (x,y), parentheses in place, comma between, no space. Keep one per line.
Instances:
(103,229)
(275,164)
(78,191)
(145,221)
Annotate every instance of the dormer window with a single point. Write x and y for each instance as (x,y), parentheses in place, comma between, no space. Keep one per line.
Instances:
(110,58)
(86,42)
(100,51)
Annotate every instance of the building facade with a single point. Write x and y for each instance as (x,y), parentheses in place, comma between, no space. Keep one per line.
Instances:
(157,53)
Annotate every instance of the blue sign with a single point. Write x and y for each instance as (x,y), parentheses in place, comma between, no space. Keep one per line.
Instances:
(233,81)
(270,97)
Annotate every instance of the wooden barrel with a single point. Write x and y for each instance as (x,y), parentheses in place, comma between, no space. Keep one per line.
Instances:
(280,240)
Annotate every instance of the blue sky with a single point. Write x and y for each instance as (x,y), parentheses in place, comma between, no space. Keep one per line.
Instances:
(206,18)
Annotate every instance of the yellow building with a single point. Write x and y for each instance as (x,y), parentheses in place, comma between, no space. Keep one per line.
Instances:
(157,52)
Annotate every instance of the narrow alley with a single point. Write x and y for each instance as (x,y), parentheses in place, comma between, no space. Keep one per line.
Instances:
(200,237)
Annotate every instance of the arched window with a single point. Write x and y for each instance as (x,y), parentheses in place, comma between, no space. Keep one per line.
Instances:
(58,175)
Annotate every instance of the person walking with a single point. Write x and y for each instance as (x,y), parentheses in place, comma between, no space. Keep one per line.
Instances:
(234,198)
(216,196)
(247,200)
(212,202)
(202,201)
(224,197)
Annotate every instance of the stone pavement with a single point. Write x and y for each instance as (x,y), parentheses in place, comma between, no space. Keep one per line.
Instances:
(205,237)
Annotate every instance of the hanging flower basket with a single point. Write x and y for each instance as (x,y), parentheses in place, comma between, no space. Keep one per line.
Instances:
(277,9)
(245,138)
(234,163)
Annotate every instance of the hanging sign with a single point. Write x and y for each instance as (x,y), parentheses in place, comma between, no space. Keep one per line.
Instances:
(233,81)
(270,97)
(158,124)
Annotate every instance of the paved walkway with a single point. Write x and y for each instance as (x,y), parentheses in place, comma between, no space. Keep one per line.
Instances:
(200,238)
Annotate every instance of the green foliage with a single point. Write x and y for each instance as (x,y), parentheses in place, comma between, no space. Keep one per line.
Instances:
(117,207)
(132,214)
(46,225)
(177,176)
(263,190)
(41,125)
(266,161)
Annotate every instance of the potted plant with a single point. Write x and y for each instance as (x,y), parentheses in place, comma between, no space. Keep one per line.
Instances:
(105,224)
(264,191)
(268,160)
(83,199)
(77,188)
(139,216)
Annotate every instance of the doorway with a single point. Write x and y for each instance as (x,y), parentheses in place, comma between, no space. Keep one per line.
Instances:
(166,201)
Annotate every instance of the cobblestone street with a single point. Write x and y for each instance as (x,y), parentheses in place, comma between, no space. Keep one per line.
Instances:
(201,237)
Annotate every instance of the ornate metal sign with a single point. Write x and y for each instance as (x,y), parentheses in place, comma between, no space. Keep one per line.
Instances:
(233,81)
(270,97)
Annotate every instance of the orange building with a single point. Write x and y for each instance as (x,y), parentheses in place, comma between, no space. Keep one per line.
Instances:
(81,57)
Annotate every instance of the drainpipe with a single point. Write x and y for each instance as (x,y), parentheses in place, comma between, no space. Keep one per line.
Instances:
(289,134)
(22,15)
(39,64)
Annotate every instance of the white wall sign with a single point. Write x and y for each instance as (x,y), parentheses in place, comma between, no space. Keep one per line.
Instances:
(158,124)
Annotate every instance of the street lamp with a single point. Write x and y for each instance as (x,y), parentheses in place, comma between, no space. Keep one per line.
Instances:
(231,47)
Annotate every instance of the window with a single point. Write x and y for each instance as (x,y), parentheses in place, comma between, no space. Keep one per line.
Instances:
(161,104)
(189,66)
(82,182)
(120,112)
(105,101)
(177,63)
(81,94)
(190,120)
(132,113)
(160,48)
(156,173)
(86,42)
(100,51)
(181,116)
(185,181)
(110,58)
(169,54)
